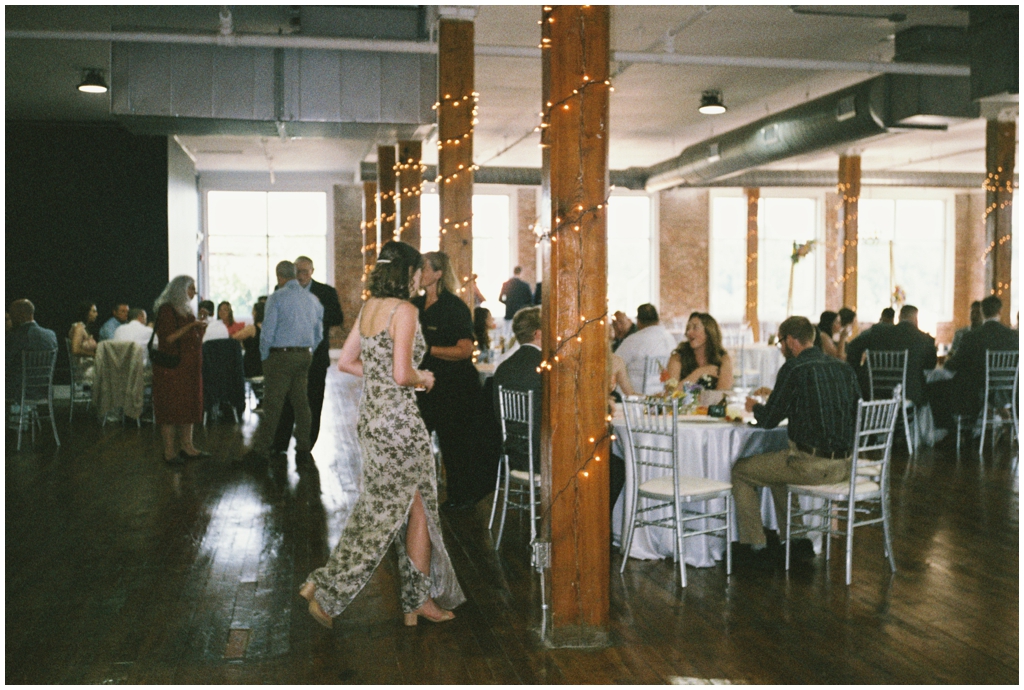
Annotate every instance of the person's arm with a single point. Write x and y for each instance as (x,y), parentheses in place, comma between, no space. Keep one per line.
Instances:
(854,350)
(403,332)
(269,327)
(930,358)
(770,414)
(674,368)
(828,347)
(621,376)
(333,316)
(350,360)
(245,333)
(82,345)
(318,325)
(725,379)
(463,349)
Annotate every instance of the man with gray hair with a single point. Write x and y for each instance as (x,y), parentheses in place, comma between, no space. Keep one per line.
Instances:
(292,329)
(25,334)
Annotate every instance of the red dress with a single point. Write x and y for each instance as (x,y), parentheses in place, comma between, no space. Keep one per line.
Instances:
(178,392)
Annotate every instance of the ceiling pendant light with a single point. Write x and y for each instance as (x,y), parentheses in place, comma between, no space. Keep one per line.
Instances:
(711,103)
(92,81)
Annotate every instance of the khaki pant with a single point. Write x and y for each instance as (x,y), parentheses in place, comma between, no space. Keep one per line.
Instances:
(775,470)
(284,377)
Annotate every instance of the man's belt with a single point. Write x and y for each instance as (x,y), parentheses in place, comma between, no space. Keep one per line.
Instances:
(818,453)
(289,349)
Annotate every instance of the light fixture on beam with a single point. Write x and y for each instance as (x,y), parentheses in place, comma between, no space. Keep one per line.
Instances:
(711,103)
(92,81)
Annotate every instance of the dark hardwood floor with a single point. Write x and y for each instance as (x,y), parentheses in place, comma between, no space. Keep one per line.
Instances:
(122,570)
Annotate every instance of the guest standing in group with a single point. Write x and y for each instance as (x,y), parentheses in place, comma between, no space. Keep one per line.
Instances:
(701,358)
(83,341)
(452,408)
(515,294)
(178,389)
(119,317)
(316,380)
(399,499)
(818,394)
(292,329)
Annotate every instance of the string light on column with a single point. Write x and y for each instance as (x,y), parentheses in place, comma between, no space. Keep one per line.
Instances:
(845,197)
(407,192)
(995,184)
(456,102)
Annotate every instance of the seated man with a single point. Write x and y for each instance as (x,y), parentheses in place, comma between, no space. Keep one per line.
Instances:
(25,334)
(120,316)
(651,339)
(958,337)
(137,331)
(818,394)
(963,393)
(920,347)
(520,372)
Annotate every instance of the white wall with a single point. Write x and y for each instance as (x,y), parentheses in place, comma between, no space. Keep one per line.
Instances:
(183,234)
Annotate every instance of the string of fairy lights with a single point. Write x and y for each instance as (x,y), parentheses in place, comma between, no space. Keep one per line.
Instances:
(471,100)
(407,193)
(995,187)
(847,201)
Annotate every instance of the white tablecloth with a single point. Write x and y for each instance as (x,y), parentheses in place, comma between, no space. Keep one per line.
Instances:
(706,449)
(756,365)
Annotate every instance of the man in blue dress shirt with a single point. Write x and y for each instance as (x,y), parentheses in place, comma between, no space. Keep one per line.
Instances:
(119,317)
(292,328)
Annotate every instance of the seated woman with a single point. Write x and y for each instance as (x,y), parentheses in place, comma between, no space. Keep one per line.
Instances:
(227,316)
(83,341)
(701,358)
(831,335)
(483,322)
(249,335)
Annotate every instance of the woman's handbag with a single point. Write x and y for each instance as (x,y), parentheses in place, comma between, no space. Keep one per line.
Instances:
(161,359)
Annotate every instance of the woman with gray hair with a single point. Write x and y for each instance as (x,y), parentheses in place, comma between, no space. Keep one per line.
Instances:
(178,369)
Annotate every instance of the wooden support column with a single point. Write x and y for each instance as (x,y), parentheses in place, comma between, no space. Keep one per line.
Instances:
(1000,141)
(369,228)
(849,192)
(753,197)
(386,214)
(456,112)
(409,183)
(575,299)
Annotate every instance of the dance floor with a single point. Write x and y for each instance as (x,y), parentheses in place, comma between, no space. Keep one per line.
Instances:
(121,570)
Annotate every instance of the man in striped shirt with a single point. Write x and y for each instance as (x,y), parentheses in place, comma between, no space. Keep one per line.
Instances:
(818,394)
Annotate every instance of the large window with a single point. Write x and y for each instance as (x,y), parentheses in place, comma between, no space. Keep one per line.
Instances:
(249,232)
(904,243)
(783,221)
(629,253)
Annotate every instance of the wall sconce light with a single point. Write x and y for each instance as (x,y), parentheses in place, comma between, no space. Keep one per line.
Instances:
(711,103)
(92,81)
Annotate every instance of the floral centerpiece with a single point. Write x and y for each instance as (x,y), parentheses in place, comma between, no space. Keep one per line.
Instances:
(799,252)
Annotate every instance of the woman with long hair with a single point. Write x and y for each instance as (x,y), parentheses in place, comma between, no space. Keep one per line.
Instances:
(82,337)
(399,498)
(453,408)
(483,323)
(226,315)
(830,335)
(178,389)
(701,358)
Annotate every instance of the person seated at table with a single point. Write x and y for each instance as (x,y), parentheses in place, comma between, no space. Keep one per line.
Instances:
(119,317)
(217,329)
(818,394)
(651,339)
(483,322)
(962,394)
(618,378)
(848,318)
(520,372)
(701,358)
(24,335)
(976,321)
(831,335)
(920,347)
(623,327)
(226,315)
(83,342)
(136,330)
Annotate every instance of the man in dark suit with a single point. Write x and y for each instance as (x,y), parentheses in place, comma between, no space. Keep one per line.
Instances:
(25,334)
(920,347)
(963,393)
(520,372)
(317,378)
(515,294)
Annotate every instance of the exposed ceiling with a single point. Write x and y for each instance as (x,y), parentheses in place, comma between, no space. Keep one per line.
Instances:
(653,108)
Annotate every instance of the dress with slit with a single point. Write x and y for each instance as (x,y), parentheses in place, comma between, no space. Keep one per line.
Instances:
(397,461)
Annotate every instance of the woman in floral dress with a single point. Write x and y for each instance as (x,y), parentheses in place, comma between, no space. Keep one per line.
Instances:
(399,498)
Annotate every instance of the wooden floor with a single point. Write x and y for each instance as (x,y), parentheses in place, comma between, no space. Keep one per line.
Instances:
(120,570)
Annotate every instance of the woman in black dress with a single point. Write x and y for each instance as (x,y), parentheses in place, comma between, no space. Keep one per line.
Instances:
(452,408)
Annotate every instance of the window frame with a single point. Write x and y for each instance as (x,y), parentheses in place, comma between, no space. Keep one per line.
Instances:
(654,234)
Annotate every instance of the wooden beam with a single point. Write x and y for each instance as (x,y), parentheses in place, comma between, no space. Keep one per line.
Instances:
(1000,142)
(386,214)
(753,196)
(849,192)
(369,228)
(456,114)
(575,297)
(409,183)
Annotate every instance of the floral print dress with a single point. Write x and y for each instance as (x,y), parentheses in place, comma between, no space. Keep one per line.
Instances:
(396,463)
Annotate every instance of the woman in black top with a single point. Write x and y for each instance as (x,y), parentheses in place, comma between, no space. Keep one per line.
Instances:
(452,407)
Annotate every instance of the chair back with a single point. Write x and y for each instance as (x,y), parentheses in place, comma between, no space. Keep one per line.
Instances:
(223,374)
(886,370)
(655,419)
(876,424)
(516,424)
(119,381)
(1001,369)
(653,366)
(37,376)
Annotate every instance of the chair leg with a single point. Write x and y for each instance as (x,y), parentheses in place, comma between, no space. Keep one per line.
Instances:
(53,423)
(958,418)
(789,524)
(504,510)
(906,430)
(984,425)
(533,509)
(850,517)
(630,525)
(679,541)
(494,503)
(728,534)
(828,531)
(21,425)
(887,533)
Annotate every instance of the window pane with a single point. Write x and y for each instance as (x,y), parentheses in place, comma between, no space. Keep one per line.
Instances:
(783,222)
(728,298)
(430,223)
(237,213)
(629,253)
(297,213)
(239,280)
(491,246)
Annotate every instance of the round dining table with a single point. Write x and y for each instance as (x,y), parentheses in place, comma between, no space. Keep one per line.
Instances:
(707,447)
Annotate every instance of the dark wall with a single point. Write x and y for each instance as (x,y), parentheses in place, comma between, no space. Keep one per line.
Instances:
(86,219)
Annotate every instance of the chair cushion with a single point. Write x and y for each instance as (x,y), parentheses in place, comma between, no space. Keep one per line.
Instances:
(689,487)
(523,477)
(865,488)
